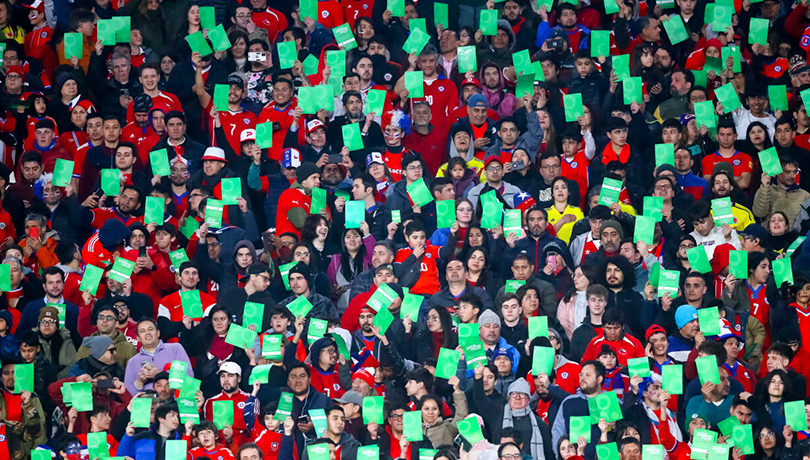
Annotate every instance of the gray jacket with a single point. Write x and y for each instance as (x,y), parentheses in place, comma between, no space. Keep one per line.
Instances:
(529,141)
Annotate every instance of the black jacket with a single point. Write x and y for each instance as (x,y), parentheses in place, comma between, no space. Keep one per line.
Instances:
(180,83)
(108,93)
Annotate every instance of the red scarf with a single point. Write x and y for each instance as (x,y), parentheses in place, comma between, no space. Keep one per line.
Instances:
(220,349)
(609,155)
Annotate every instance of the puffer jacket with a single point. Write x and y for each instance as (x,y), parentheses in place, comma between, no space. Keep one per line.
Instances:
(776,197)
(60,347)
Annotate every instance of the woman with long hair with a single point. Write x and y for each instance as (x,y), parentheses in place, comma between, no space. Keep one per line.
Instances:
(315,232)
(191,24)
(781,236)
(573,307)
(549,143)
(756,139)
(426,342)
(438,429)
(236,57)
(561,214)
(479,272)
(769,399)
(355,257)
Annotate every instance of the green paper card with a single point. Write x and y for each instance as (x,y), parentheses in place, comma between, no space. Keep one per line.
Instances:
(605,406)
(632,90)
(123,29)
(397,7)
(492,215)
(111,182)
(97,445)
(219,38)
(221,95)
(522,62)
(318,417)
(525,85)
(707,370)
(190,387)
(440,15)
(287,54)
(344,37)
(769,159)
(777,95)
(721,18)
(734,53)
(538,327)
(512,222)
(177,374)
(621,66)
(271,346)
(82,396)
(352,138)
(414,83)
(310,65)
(467,334)
(105,31)
(607,451)
(355,214)
(513,285)
(573,106)
(198,44)
(672,378)
(373,410)
(213,213)
(316,330)
(208,18)
(383,320)
(419,193)
(410,306)
(285,406)
(223,414)
(543,361)
(160,163)
(600,43)
(470,429)
(412,425)
(727,426)
(192,304)
(782,271)
(721,210)
(652,452)
(318,201)
(445,213)
(299,307)
(368,453)
(664,154)
(488,22)
(155,207)
(709,320)
(74,45)
(308,9)
(611,189)
(264,135)
(141,412)
(675,28)
(178,257)
(653,205)
(447,366)
(790,250)
(336,61)
(611,7)
(5,278)
(579,427)
(467,59)
(343,350)
(758,31)
(318,451)
(727,96)
(475,355)
(639,366)
(416,41)
(122,269)
(795,415)
(743,437)
(176,449)
(62,172)
(45,454)
(698,260)
(284,270)
(188,410)
(704,114)
(644,229)
(375,102)
(90,280)
(253,313)
(231,190)
(239,336)
(669,282)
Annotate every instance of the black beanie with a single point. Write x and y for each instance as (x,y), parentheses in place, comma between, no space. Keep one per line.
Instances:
(306,169)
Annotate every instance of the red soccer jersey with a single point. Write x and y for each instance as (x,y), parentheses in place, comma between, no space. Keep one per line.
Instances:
(72,140)
(218,453)
(577,169)
(740,161)
(31,122)
(741,374)
(171,308)
(282,119)
(37,40)
(233,123)
(353,9)
(78,158)
(6,226)
(330,13)
(112,445)
(245,412)
(442,95)
(101,215)
(163,101)
(133,133)
(272,20)
(565,376)
(627,347)
(428,282)
(327,383)
(269,443)
(289,199)
(760,309)
(72,293)
(394,163)
(93,253)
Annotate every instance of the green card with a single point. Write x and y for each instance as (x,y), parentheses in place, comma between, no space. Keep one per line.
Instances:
(62,172)
(285,407)
(123,29)
(605,406)
(189,227)
(467,59)
(522,62)
(769,159)
(318,201)
(675,28)
(607,451)
(573,106)
(141,412)
(190,387)
(440,15)
(707,370)
(664,154)
(758,31)
(475,355)
(271,346)
(213,213)
(600,43)
(198,44)
(639,366)
(470,429)
(721,18)
(318,451)
(512,222)
(383,320)
(579,427)
(396,216)
(632,88)
(621,66)
(299,307)
(611,7)
(790,250)
(375,102)
(355,213)
(412,425)
(187,408)
(734,53)
(219,38)
(45,454)
(698,260)
(727,96)
(611,189)
(447,366)
(316,330)
(543,361)
(410,306)
(264,135)
(287,54)
(644,229)
(318,417)
(192,304)
(105,31)
(352,138)
(336,61)
(445,213)
(178,371)
(310,65)
(513,285)
(653,206)
(795,415)
(343,349)
(231,190)
(111,182)
(525,85)
(253,313)
(652,452)
(396,7)
(414,83)
(672,378)
(344,37)
(223,414)
(468,333)
(373,410)
(308,9)
(777,94)
(160,163)
(704,114)
(122,269)
(743,437)
(488,22)
(221,95)
(669,282)
(97,445)
(492,212)
(717,452)
(416,41)
(709,320)
(239,336)
(155,208)
(90,279)
(721,210)
(208,18)
(74,45)
(782,271)
(176,449)
(701,78)
(369,452)
(82,396)
(284,271)
(727,426)
(419,193)
(538,327)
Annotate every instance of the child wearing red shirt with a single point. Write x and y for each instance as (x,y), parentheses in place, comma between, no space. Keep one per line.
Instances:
(422,255)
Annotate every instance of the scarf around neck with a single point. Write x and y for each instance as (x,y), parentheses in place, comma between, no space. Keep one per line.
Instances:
(537,439)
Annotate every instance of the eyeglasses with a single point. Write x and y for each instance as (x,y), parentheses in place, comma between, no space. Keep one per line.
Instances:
(414,168)
(494,168)
(395,416)
(265,277)
(111,350)
(48,322)
(107,318)
(121,307)
(511,456)
(766,435)
(686,246)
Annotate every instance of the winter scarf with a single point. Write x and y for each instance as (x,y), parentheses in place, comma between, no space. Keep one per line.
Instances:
(537,438)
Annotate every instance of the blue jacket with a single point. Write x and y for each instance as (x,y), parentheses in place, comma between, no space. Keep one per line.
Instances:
(144,446)
(511,351)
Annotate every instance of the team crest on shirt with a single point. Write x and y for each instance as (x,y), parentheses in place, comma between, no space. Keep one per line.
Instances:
(2,225)
(240,405)
(336,386)
(2,438)
(365,7)
(324,14)
(564,375)
(388,76)
(778,68)
(622,351)
(573,165)
(428,255)
(274,445)
(221,457)
(736,162)
(290,113)
(246,121)
(441,89)
(43,35)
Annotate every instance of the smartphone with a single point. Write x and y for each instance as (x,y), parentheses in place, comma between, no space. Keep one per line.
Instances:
(33,232)
(552,260)
(254,56)
(460,441)
(124,92)
(335,158)
(267,241)
(518,165)
(104,383)
(142,251)
(303,419)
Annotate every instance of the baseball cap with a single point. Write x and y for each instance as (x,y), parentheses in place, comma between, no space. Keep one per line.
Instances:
(312,125)
(756,231)
(235,79)
(292,158)
(254,269)
(248,135)
(350,397)
(37,5)
(214,154)
(230,367)
(374,157)
(477,100)
(470,81)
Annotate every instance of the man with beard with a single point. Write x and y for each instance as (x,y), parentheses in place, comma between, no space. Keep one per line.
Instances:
(468,87)
(567,22)
(333,373)
(523,28)
(550,169)
(642,405)
(353,107)
(245,405)
(756,100)
(727,153)
(54,280)
(177,143)
(610,236)
(364,68)
(680,85)
(783,196)
(127,204)
(591,381)
(494,90)
(305,399)
(457,285)
(523,269)
(426,138)
(106,325)
(333,175)
(663,61)
(230,122)
(493,170)
(538,237)
(620,280)
(378,215)
(171,317)
(441,93)
(280,113)
(479,123)
(178,180)
(723,185)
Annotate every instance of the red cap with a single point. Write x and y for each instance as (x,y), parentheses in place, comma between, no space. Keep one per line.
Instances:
(654,329)
(16,69)
(470,81)
(491,159)
(365,376)
(314,124)
(720,257)
(86,105)
(38,5)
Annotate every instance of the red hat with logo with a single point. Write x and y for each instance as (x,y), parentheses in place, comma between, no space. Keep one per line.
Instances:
(37,5)
(470,81)
(365,376)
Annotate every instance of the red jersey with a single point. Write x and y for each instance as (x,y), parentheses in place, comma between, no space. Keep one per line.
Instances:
(353,9)
(289,199)
(577,169)
(233,123)
(30,125)
(565,376)
(7,226)
(741,162)
(442,95)
(78,158)
(218,453)
(93,253)
(394,163)
(245,412)
(72,140)
(272,20)
(281,119)
(269,443)
(330,13)
(72,293)
(804,319)
(327,383)
(171,308)
(101,215)
(163,101)
(627,347)
(133,133)
(428,282)
(741,374)
(37,41)
(112,445)
(760,309)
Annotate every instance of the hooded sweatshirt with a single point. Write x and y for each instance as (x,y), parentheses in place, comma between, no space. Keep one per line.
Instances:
(504,103)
